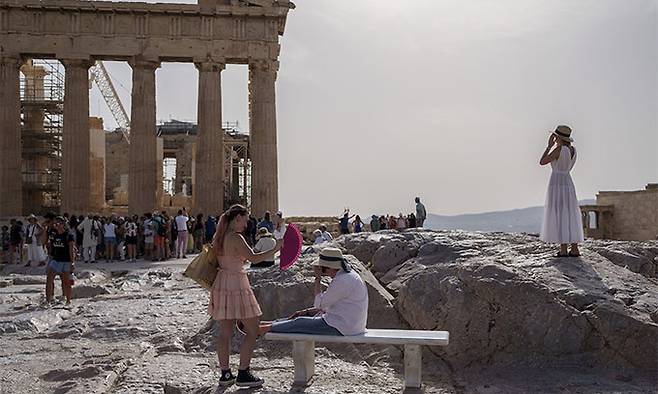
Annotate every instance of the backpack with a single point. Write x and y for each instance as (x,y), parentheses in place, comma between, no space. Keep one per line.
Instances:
(162,230)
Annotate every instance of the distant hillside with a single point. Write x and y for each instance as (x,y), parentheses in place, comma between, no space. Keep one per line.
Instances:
(527,220)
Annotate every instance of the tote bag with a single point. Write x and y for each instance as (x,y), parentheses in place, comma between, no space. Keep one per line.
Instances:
(203,268)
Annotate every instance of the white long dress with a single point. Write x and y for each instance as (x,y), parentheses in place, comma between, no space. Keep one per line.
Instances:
(563,222)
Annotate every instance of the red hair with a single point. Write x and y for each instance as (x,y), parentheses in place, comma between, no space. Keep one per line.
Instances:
(224,221)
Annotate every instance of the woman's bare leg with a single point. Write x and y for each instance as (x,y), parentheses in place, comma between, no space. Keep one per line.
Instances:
(66,285)
(574,249)
(224,342)
(50,285)
(247,348)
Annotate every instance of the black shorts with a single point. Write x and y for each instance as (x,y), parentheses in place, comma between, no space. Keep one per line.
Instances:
(131,240)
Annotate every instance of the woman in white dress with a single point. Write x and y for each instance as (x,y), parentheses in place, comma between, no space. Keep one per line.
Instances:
(563,222)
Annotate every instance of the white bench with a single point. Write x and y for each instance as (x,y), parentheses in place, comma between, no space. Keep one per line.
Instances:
(303,349)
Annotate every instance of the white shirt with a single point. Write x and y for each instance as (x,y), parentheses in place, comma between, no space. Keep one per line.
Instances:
(264,244)
(345,303)
(109,230)
(181,222)
(279,232)
(327,236)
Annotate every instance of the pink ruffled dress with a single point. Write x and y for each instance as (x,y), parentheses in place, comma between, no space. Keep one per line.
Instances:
(231,296)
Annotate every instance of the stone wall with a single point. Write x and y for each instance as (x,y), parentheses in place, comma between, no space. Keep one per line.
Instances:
(635,214)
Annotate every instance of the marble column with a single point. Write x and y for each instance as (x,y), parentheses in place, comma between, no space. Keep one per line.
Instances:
(208,189)
(143,182)
(11,179)
(76,142)
(262,139)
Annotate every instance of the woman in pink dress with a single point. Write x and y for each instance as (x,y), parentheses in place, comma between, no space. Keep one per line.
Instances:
(231,297)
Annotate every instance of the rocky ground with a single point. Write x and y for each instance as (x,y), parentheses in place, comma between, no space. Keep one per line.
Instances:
(520,321)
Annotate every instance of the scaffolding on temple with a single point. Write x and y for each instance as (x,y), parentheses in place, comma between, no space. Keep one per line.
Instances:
(42,108)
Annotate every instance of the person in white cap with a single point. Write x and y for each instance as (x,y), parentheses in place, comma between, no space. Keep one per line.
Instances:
(342,309)
(562,222)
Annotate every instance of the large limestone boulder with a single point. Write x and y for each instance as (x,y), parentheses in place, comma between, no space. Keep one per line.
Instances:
(280,293)
(506,299)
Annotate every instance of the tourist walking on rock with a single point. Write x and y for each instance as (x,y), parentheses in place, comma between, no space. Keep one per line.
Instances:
(211,227)
(35,252)
(131,239)
(344,222)
(62,251)
(110,236)
(421,213)
(198,233)
(358,224)
(562,222)
(342,309)
(120,232)
(401,223)
(181,236)
(374,223)
(231,297)
(160,231)
(149,234)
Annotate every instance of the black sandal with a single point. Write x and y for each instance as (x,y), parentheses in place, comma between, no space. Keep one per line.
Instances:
(574,254)
(562,255)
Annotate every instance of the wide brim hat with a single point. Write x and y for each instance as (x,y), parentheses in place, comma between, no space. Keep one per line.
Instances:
(563,132)
(32,216)
(330,258)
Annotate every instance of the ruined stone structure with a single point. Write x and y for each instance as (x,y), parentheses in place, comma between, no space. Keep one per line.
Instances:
(179,141)
(210,34)
(623,215)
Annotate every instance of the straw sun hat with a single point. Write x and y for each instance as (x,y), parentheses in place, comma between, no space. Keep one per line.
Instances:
(563,132)
(330,258)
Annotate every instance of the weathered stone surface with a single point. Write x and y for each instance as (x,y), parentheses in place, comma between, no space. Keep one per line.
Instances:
(505,299)
(88,291)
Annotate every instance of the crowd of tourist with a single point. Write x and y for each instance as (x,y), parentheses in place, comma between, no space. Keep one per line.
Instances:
(354,224)
(154,236)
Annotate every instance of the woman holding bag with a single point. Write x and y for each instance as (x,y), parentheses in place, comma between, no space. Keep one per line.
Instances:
(231,297)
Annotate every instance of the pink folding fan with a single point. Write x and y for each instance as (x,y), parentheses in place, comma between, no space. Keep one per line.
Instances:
(292,247)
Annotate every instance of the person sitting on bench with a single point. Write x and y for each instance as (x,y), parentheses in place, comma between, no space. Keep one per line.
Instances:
(342,309)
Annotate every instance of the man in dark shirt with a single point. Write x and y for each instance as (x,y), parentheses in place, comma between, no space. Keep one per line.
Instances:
(61,245)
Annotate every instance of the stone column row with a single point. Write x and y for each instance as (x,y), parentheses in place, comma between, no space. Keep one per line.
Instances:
(11,180)
(76,141)
(208,190)
(263,137)
(143,182)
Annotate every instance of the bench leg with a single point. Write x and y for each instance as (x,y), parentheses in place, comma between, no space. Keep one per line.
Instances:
(303,356)
(413,361)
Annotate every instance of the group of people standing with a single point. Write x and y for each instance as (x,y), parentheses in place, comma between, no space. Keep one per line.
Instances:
(154,236)
(348,224)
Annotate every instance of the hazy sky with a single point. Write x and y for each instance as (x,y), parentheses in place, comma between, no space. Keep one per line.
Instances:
(380,101)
